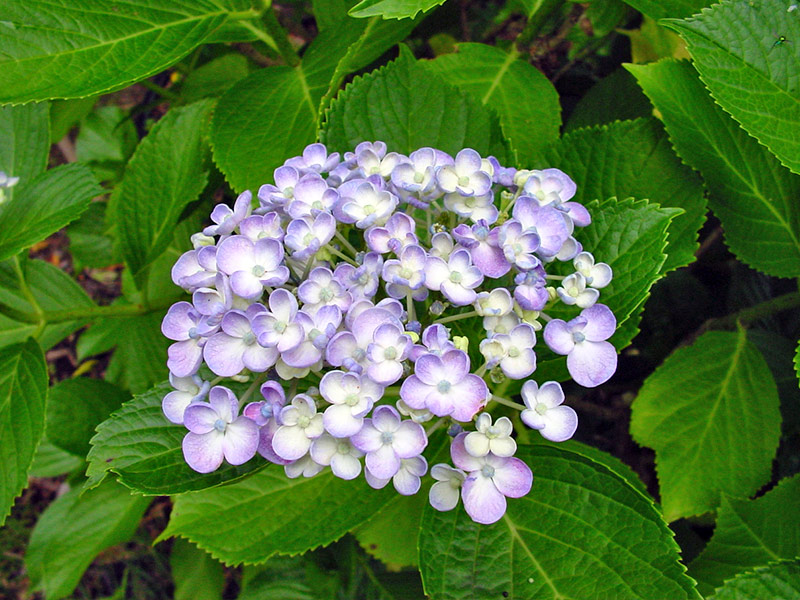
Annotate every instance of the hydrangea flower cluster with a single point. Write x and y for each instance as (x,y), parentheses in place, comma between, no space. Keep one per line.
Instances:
(337,294)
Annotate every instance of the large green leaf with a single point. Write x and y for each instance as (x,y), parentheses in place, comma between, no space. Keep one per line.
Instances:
(76,407)
(581,532)
(752,194)
(106,139)
(778,581)
(658,9)
(76,48)
(276,109)
(524,99)
(53,289)
(393,9)
(616,97)
(215,77)
(23,395)
(737,48)
(166,173)
(52,461)
(196,575)
(25,131)
(633,158)
(710,437)
(751,533)
(44,205)
(139,444)
(411,107)
(274,514)
(76,528)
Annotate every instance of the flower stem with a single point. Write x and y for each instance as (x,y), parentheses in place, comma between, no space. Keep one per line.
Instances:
(451,318)
(434,426)
(346,244)
(412,315)
(507,402)
(341,255)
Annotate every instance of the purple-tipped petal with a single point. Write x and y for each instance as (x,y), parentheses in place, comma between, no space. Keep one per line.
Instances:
(383,462)
(200,418)
(184,358)
(512,477)
(461,458)
(601,323)
(203,453)
(290,443)
(241,441)
(482,500)
(592,363)
(409,439)
(558,337)
(340,422)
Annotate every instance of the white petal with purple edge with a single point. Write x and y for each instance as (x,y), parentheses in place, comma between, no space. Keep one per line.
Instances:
(203,453)
(560,424)
(345,466)
(558,337)
(368,439)
(592,363)
(184,358)
(406,483)
(223,354)
(512,477)
(224,402)
(482,500)
(241,441)
(443,496)
(290,443)
(461,458)
(409,439)
(601,323)
(386,418)
(414,392)
(174,405)
(470,396)
(383,462)
(200,418)
(340,422)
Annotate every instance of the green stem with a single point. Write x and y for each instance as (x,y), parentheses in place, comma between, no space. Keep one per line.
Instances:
(412,315)
(507,402)
(85,312)
(345,243)
(753,313)
(537,20)
(279,35)
(450,319)
(161,91)
(253,386)
(341,255)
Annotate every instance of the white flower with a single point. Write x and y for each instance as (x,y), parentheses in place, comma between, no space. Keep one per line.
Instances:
(491,438)
(545,412)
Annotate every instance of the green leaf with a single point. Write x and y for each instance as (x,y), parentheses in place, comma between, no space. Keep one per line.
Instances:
(76,528)
(76,48)
(65,114)
(751,533)
(410,107)
(90,244)
(779,581)
(658,9)
(106,139)
(391,535)
(284,578)
(328,13)
(710,438)
(524,99)
(633,158)
(76,407)
(53,289)
(276,109)
(313,512)
(750,72)
(797,361)
(751,193)
(215,77)
(44,205)
(616,97)
(144,449)
(52,461)
(166,173)
(25,131)
(23,395)
(392,9)
(196,575)
(581,532)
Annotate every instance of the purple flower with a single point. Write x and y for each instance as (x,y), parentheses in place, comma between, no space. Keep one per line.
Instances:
(361,282)
(216,432)
(590,359)
(226,219)
(371,163)
(531,291)
(235,348)
(315,159)
(320,289)
(306,236)
(196,268)
(407,479)
(311,196)
(264,413)
(490,479)
(305,466)
(547,222)
(351,397)
(278,327)
(442,245)
(418,174)
(476,208)
(300,424)
(444,385)
(389,348)
(386,439)
(456,279)
(406,275)
(364,204)
(213,303)
(318,330)
(340,454)
(466,176)
(484,246)
(502,175)
(545,411)
(398,233)
(435,340)
(550,186)
(262,226)
(252,265)
(181,325)
(349,348)
(274,197)
(174,403)
(518,245)
(444,493)
(500,324)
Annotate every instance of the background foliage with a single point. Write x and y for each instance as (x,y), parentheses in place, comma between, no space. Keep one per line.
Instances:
(126,121)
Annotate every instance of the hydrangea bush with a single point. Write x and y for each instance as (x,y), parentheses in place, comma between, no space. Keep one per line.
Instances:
(334,296)
(362,379)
